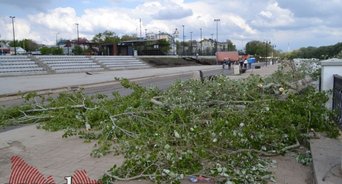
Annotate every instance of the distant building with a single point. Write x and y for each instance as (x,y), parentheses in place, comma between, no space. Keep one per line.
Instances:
(208,46)
(164,36)
(4,49)
(20,51)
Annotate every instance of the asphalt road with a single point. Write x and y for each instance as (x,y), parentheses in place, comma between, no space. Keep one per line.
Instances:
(161,82)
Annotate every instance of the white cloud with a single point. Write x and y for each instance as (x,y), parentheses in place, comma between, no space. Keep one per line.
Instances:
(273,16)
(22,29)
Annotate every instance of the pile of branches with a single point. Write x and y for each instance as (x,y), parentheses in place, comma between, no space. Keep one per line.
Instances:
(221,129)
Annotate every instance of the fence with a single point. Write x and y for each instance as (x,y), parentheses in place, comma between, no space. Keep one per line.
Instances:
(337,98)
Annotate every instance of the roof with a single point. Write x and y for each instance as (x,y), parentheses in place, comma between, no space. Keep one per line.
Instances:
(230,55)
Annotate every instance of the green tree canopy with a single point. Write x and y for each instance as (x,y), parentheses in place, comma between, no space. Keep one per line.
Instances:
(106,37)
(231,46)
(259,48)
(27,44)
(51,51)
(77,50)
(127,37)
(322,52)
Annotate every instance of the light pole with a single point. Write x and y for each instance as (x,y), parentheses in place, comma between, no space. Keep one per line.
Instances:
(183,41)
(191,43)
(78,35)
(15,49)
(57,39)
(201,41)
(217,21)
(266,47)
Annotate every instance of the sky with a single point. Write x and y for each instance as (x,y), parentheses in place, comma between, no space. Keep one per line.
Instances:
(287,24)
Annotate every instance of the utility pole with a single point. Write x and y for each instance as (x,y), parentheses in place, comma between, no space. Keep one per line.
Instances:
(183,41)
(15,49)
(78,35)
(217,21)
(201,41)
(57,39)
(266,45)
(140,29)
(191,42)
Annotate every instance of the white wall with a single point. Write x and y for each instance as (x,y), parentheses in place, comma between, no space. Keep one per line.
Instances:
(329,69)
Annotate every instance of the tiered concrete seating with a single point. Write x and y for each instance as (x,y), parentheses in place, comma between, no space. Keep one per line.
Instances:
(18,65)
(61,64)
(120,62)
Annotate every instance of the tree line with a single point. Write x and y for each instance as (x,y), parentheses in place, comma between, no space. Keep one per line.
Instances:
(323,52)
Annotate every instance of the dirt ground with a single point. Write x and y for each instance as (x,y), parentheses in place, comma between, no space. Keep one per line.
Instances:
(288,171)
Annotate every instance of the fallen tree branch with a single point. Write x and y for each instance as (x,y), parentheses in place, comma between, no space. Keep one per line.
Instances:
(156,102)
(59,108)
(291,146)
(131,178)
(263,153)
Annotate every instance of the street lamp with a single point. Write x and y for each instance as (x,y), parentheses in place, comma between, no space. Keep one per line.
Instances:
(191,42)
(183,40)
(78,35)
(217,21)
(57,39)
(266,46)
(15,49)
(201,41)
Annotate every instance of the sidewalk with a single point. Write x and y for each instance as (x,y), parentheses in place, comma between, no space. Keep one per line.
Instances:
(15,84)
(326,156)
(60,157)
(51,154)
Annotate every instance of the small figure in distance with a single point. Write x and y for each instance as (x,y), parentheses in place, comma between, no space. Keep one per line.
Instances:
(224,63)
(229,64)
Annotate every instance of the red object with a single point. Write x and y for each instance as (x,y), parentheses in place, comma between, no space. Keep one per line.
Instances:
(81,177)
(226,56)
(23,173)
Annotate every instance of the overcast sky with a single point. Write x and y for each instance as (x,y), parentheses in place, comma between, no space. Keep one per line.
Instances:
(288,24)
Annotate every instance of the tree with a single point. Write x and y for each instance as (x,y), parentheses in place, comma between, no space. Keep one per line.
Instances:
(323,52)
(106,37)
(51,51)
(339,55)
(56,51)
(259,48)
(127,37)
(77,50)
(230,46)
(164,46)
(45,50)
(27,44)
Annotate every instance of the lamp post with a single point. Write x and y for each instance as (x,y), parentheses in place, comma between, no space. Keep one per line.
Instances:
(15,49)
(217,21)
(191,43)
(183,40)
(266,47)
(78,35)
(213,41)
(201,41)
(57,39)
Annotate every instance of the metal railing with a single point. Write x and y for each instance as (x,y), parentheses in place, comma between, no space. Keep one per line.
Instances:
(337,98)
